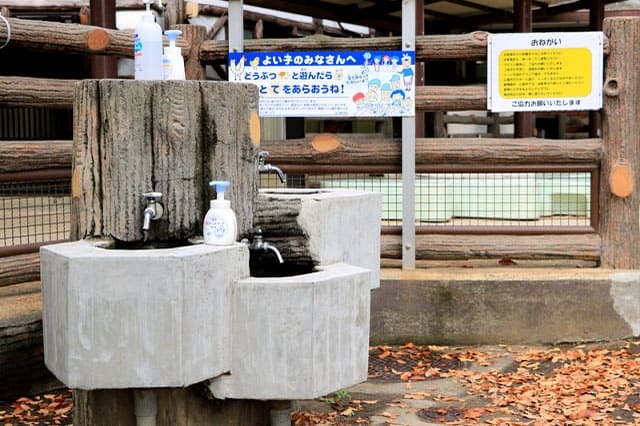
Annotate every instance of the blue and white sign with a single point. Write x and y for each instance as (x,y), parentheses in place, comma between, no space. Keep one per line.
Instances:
(329,84)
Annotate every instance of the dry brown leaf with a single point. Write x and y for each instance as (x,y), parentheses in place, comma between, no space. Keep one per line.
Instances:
(389,415)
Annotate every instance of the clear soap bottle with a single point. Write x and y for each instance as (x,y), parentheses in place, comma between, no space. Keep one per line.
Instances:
(147,47)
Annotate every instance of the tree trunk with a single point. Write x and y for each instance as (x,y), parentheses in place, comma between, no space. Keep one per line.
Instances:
(133,137)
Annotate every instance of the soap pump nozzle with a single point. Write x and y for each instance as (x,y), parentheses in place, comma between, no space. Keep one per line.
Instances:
(221,188)
(172,35)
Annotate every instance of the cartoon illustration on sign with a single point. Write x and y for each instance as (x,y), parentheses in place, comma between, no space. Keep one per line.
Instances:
(329,84)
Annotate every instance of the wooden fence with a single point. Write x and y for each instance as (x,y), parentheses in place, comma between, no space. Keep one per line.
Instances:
(613,242)
(612,160)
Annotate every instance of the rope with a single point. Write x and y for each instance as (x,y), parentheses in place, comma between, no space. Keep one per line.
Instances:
(8,32)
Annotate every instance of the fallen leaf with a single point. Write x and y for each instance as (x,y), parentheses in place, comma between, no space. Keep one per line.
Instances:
(392,416)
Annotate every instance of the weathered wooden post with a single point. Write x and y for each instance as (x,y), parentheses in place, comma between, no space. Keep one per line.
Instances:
(619,174)
(133,137)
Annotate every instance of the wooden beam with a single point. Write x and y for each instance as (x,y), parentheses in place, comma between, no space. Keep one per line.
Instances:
(19,269)
(352,150)
(26,156)
(73,38)
(36,92)
(361,150)
(516,247)
(468,46)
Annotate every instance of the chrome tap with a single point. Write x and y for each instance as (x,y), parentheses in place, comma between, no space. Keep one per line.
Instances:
(268,168)
(152,211)
(259,245)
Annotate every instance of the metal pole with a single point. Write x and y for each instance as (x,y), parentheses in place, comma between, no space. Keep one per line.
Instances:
(236,26)
(103,14)
(523,23)
(408,151)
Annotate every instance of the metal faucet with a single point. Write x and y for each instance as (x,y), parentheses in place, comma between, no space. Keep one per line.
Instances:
(259,245)
(153,210)
(268,168)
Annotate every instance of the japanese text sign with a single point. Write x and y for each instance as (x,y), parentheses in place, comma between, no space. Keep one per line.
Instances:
(545,71)
(329,84)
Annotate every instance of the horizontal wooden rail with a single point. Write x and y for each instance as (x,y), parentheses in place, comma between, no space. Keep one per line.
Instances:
(451,98)
(25,156)
(471,46)
(346,150)
(73,38)
(518,247)
(356,150)
(36,92)
(55,93)
(19,269)
(477,119)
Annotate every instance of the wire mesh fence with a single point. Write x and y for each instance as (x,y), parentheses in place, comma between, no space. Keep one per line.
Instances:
(515,199)
(38,212)
(34,211)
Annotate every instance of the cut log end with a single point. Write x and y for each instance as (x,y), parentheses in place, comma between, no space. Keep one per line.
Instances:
(325,142)
(621,180)
(98,40)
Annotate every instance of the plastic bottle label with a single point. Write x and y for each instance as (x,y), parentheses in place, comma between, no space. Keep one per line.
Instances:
(215,227)
(137,45)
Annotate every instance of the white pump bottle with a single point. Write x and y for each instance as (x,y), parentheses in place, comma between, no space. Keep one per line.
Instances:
(220,227)
(147,47)
(172,62)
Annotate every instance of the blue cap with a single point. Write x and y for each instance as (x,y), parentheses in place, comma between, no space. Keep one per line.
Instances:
(221,187)
(172,35)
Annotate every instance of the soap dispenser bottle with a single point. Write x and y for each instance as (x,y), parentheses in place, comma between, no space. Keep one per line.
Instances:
(172,62)
(220,227)
(147,47)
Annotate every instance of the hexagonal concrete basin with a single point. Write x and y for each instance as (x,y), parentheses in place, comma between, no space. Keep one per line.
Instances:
(298,337)
(138,318)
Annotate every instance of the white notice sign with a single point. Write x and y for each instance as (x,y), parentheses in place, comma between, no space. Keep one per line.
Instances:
(545,71)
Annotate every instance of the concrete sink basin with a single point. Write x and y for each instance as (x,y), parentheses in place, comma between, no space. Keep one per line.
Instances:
(301,336)
(138,318)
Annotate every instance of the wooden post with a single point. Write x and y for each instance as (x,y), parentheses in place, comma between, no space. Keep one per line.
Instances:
(619,196)
(174,12)
(172,137)
(194,35)
(523,23)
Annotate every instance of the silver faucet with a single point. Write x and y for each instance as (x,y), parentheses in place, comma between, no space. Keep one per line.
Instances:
(258,244)
(268,168)
(153,210)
